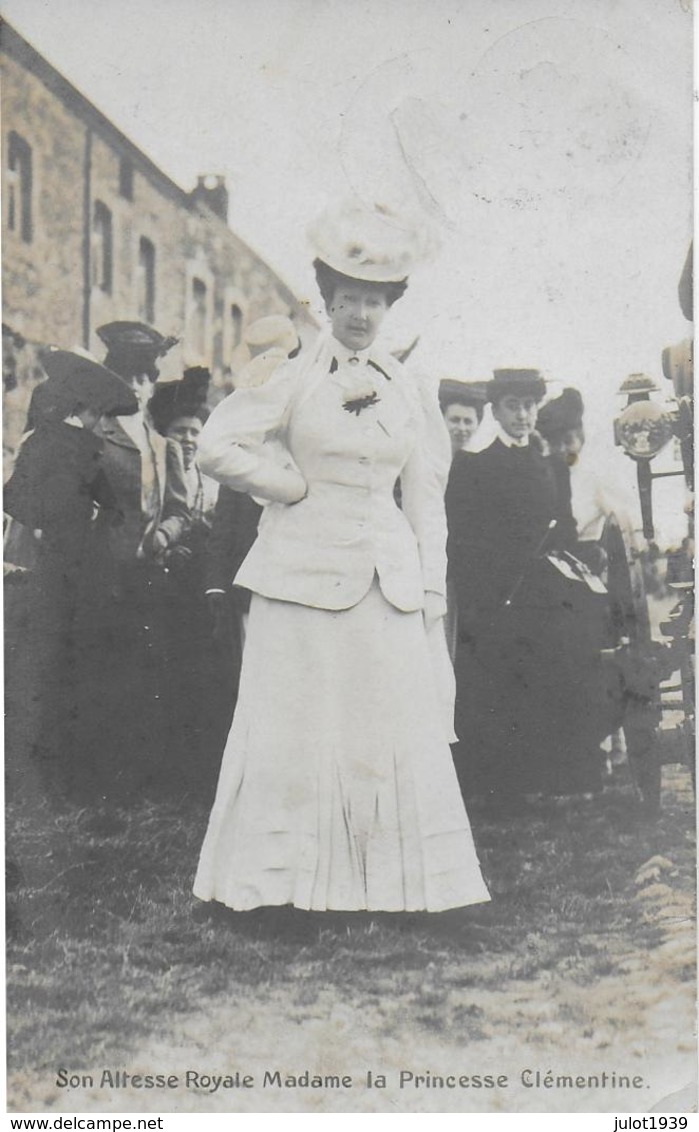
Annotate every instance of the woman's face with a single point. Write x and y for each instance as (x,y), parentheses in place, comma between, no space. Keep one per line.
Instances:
(356,313)
(462,424)
(516,414)
(185,430)
(568,445)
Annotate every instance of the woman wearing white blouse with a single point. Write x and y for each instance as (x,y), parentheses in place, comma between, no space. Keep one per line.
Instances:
(337,789)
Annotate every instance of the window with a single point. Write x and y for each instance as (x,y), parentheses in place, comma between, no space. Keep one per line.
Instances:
(19,187)
(199,320)
(12,184)
(126,178)
(236,316)
(146,280)
(102,248)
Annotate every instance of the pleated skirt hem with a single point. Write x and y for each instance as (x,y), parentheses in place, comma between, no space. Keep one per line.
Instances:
(337,789)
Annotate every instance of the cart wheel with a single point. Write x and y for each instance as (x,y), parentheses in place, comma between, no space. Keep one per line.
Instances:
(629,622)
(628,606)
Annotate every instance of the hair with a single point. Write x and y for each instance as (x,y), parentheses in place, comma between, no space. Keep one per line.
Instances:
(497,393)
(201,412)
(329,280)
(468,400)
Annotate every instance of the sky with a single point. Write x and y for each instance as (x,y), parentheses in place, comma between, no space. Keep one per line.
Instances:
(548,143)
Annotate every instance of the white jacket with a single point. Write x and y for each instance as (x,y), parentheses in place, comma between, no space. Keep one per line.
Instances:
(328,475)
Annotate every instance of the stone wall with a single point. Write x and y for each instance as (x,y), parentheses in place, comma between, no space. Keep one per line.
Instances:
(42,279)
(208,284)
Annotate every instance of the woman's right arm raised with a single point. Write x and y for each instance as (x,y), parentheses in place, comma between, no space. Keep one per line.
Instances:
(232,446)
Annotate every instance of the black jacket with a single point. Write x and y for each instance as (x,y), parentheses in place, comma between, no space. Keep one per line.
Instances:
(57,481)
(500,505)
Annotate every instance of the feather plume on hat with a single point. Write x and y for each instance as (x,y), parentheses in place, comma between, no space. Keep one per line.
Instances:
(260,368)
(271,331)
(376,245)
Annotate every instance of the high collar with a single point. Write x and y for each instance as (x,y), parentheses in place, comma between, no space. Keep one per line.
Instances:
(353,364)
(511,441)
(319,364)
(343,354)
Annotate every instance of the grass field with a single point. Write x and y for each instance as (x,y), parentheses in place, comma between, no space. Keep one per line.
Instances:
(107,947)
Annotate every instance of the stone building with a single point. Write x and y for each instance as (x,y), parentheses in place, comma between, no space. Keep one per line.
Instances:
(93,231)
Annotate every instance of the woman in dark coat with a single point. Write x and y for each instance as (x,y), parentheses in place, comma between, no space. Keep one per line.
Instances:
(530,685)
(130,631)
(59,492)
(197,688)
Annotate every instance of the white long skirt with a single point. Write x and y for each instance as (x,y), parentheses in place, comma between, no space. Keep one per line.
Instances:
(337,788)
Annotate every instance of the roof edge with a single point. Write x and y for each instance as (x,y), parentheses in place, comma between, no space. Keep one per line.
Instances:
(19,49)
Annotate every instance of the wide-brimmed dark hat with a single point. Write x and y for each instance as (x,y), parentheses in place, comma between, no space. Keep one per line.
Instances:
(516,382)
(185,398)
(135,337)
(561,414)
(74,376)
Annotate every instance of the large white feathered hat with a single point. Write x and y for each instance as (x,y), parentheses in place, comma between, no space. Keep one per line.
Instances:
(374,244)
(260,368)
(271,332)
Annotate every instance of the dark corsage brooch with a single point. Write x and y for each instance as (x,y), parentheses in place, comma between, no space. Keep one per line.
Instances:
(356,404)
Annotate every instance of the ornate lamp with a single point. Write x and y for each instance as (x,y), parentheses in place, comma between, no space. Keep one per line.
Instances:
(643,429)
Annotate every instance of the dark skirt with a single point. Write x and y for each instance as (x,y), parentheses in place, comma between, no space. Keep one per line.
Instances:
(534,700)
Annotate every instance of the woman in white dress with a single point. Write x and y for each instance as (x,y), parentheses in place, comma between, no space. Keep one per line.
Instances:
(337,788)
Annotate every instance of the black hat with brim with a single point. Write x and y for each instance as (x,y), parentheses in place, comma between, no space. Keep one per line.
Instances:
(78,378)
(135,338)
(516,383)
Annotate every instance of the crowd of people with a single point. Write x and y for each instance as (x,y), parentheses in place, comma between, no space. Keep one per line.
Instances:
(363,625)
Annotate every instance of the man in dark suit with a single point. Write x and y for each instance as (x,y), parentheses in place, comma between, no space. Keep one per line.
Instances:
(523,653)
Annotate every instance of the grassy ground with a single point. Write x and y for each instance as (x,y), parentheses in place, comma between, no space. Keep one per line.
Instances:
(107,947)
